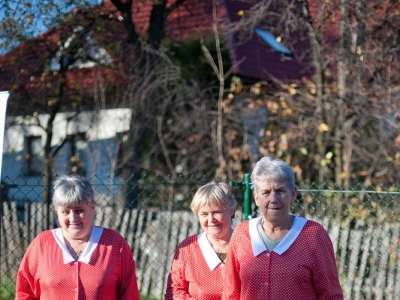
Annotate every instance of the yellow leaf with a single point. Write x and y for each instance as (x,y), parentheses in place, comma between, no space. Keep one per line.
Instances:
(292,91)
(240,12)
(329,155)
(303,151)
(323,127)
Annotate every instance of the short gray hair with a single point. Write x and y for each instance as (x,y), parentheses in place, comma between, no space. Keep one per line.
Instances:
(268,168)
(213,193)
(72,189)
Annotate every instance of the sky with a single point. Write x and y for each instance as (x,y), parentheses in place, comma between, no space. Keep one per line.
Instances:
(21,19)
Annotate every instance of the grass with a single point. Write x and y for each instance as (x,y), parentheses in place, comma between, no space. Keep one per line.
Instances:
(7,289)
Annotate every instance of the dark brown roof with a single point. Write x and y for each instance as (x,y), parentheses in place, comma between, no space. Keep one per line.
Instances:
(262,62)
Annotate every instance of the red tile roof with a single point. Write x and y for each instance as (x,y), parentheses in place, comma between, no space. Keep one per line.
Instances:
(22,69)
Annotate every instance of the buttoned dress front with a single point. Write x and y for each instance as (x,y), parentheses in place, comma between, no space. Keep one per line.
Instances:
(196,271)
(104,271)
(302,266)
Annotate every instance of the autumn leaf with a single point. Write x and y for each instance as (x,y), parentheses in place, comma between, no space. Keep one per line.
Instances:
(323,127)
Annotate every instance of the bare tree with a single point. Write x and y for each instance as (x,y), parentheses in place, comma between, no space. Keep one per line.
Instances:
(338,125)
(37,74)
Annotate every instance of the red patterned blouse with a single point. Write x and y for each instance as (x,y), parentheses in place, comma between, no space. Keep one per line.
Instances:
(302,266)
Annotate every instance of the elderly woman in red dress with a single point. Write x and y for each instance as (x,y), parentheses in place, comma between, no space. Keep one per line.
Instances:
(78,260)
(278,255)
(198,265)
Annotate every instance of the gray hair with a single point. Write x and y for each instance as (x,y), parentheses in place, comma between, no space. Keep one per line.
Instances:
(269,168)
(213,193)
(72,189)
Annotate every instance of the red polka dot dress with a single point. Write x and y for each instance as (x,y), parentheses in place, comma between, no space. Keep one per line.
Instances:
(196,271)
(302,266)
(104,271)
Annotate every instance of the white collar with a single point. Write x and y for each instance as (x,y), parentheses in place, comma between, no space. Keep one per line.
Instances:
(258,245)
(87,253)
(209,254)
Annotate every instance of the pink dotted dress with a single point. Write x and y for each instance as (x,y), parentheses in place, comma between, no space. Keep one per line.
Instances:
(302,266)
(104,271)
(196,271)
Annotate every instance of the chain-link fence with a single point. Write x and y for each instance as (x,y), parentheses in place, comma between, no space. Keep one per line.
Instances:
(363,224)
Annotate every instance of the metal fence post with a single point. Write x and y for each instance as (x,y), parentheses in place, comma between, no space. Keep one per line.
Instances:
(247,214)
(247,197)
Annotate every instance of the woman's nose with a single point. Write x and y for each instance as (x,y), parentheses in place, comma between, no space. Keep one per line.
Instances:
(73,216)
(273,197)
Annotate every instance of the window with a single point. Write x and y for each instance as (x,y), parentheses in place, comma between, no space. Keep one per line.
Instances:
(120,145)
(272,41)
(78,153)
(34,156)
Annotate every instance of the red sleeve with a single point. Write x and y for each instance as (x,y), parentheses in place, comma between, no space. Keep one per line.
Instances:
(232,282)
(128,288)
(178,286)
(27,288)
(325,274)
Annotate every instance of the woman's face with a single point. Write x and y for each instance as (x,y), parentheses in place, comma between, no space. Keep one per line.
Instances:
(76,220)
(273,199)
(216,221)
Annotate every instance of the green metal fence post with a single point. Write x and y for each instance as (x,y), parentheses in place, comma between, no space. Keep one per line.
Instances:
(247,197)
(247,215)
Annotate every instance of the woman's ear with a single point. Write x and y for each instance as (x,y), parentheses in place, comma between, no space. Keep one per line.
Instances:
(255,195)
(294,194)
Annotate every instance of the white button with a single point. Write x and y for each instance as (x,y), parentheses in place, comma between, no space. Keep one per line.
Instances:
(221,266)
(268,254)
(265,283)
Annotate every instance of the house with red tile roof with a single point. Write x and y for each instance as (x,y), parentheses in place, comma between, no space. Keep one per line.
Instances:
(70,60)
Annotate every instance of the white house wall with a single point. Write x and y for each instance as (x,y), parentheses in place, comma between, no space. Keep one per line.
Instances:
(101,129)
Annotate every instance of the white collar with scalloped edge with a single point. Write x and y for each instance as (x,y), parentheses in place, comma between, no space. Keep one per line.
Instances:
(90,247)
(258,245)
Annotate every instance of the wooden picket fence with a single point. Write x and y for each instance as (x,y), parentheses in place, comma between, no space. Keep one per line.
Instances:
(368,256)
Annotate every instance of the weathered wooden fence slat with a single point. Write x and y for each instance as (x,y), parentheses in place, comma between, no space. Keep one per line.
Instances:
(391,274)
(354,246)
(342,247)
(383,261)
(363,268)
(10,223)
